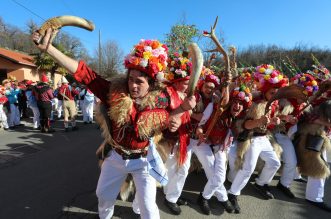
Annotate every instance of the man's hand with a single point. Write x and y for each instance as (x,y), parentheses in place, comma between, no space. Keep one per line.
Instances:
(174,123)
(275,120)
(189,103)
(200,134)
(45,42)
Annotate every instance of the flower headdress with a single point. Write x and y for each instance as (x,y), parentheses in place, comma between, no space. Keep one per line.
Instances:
(179,68)
(307,81)
(244,76)
(208,75)
(320,72)
(148,56)
(242,93)
(268,77)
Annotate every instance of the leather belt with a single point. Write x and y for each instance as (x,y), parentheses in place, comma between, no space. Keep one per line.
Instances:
(132,156)
(255,134)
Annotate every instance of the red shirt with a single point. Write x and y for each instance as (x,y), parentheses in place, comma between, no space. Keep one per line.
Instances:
(68,91)
(127,135)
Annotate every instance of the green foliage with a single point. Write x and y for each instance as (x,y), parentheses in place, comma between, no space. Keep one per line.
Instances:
(180,36)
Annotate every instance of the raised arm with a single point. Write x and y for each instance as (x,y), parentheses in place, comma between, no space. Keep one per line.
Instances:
(46,46)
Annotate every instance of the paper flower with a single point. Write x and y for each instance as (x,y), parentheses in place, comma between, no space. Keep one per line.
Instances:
(148,56)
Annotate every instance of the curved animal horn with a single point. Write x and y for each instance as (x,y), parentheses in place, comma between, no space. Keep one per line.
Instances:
(66,20)
(197,63)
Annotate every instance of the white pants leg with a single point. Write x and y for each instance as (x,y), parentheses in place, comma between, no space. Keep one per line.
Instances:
(232,154)
(3,117)
(177,174)
(207,159)
(59,108)
(36,116)
(289,159)
(315,186)
(87,110)
(90,112)
(216,182)
(260,146)
(113,172)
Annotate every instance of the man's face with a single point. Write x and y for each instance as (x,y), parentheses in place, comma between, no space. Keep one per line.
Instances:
(7,85)
(270,93)
(181,86)
(236,108)
(138,84)
(208,89)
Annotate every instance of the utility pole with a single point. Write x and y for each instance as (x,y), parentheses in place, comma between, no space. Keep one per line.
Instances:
(99,52)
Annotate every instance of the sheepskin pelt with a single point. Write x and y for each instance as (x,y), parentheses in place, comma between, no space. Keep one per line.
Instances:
(310,162)
(256,111)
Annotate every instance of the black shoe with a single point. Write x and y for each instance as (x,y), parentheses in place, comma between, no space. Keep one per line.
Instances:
(6,129)
(66,129)
(43,130)
(173,207)
(264,191)
(12,127)
(301,180)
(285,190)
(227,206)
(182,201)
(320,205)
(204,205)
(90,122)
(233,199)
(85,123)
(75,128)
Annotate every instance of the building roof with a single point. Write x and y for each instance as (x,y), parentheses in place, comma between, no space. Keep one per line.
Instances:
(17,57)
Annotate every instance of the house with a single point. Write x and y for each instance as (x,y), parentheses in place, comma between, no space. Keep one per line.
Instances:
(19,65)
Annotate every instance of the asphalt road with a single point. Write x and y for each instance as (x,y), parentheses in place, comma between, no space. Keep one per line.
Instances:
(53,176)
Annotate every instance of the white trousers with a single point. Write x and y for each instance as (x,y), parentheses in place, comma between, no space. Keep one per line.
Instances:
(177,175)
(113,173)
(260,147)
(216,181)
(14,116)
(232,156)
(315,186)
(36,116)
(59,108)
(87,111)
(3,117)
(289,159)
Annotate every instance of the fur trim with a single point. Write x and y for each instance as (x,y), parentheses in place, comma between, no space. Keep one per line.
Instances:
(256,111)
(286,106)
(310,163)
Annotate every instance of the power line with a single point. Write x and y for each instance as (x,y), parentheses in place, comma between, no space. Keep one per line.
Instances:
(28,10)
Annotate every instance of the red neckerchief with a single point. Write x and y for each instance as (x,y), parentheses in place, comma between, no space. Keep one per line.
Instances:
(183,130)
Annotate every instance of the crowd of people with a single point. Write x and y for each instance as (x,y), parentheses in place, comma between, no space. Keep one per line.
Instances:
(258,123)
(268,120)
(44,103)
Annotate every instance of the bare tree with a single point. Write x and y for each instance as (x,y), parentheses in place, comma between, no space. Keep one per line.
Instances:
(111,62)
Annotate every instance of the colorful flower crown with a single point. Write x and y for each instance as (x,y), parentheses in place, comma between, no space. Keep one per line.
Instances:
(268,77)
(208,75)
(149,56)
(245,76)
(242,93)
(179,67)
(320,72)
(307,81)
